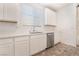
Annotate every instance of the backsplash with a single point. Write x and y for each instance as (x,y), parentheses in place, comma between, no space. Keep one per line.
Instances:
(12,28)
(49,29)
(23,29)
(7,28)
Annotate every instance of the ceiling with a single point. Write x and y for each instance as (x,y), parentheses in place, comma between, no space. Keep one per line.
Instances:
(54,6)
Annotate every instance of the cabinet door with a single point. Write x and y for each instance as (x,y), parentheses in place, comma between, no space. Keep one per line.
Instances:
(43,42)
(21,46)
(10,11)
(6,47)
(1,11)
(53,18)
(50,17)
(37,44)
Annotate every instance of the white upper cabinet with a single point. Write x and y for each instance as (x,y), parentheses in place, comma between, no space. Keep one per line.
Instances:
(1,11)
(50,17)
(10,11)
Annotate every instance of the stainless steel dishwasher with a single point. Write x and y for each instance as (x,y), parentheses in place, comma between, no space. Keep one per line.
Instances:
(50,40)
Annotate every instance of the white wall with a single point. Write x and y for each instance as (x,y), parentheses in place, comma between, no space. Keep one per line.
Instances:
(66,24)
(78,26)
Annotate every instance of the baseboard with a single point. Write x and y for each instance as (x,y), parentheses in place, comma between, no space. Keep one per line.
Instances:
(45,49)
(57,43)
(38,52)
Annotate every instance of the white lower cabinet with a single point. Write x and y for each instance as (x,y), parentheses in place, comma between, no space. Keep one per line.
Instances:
(6,47)
(37,43)
(21,46)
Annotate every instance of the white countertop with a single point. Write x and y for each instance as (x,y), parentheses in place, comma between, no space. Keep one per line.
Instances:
(17,35)
(2,36)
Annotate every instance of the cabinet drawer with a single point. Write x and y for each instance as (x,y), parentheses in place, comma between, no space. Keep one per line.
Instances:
(38,36)
(5,41)
(21,38)
(21,42)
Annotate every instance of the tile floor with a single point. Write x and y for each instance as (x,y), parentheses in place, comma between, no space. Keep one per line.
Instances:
(60,50)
